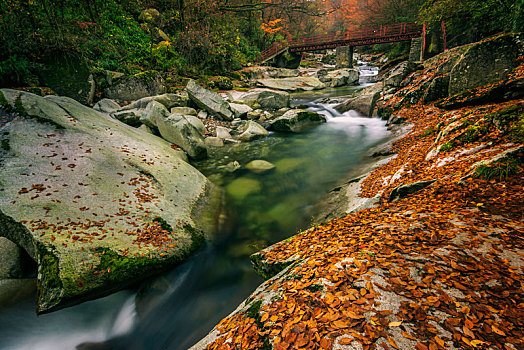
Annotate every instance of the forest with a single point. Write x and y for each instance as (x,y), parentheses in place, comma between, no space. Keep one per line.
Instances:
(194,37)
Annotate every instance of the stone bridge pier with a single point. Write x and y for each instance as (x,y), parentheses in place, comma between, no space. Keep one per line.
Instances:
(344,57)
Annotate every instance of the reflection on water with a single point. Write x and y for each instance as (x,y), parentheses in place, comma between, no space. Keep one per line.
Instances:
(175,310)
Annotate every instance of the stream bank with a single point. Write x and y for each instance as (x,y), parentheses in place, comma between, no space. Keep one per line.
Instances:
(438,264)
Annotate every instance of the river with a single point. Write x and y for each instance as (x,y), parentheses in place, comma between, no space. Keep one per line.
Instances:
(175,310)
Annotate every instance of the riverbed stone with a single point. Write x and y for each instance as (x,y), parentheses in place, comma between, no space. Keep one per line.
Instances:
(152,113)
(260,166)
(209,100)
(297,120)
(179,130)
(106,105)
(232,166)
(94,187)
(405,190)
(251,131)
(168,100)
(213,141)
(223,132)
(262,98)
(260,72)
(240,188)
(130,117)
(293,84)
(339,77)
(184,111)
(240,110)
(365,101)
(197,123)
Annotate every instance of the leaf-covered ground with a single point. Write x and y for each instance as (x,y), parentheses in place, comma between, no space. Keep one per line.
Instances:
(440,269)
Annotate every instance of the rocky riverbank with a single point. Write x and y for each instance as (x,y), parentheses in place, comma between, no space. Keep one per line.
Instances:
(102,197)
(438,263)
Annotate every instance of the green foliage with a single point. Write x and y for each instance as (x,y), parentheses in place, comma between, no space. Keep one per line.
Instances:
(110,36)
(471,20)
(501,170)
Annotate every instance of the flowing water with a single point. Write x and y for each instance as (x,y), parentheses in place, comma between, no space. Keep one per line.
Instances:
(177,309)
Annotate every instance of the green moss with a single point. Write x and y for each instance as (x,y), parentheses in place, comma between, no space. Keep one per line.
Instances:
(254,312)
(474,133)
(516,132)
(428,132)
(3,101)
(121,267)
(49,269)
(19,108)
(267,270)
(448,146)
(5,145)
(309,115)
(197,238)
(163,223)
(315,287)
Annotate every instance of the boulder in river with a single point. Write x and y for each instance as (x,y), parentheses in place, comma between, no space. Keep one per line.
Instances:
(184,111)
(365,102)
(106,105)
(240,110)
(209,101)
(97,204)
(339,77)
(251,131)
(293,84)
(179,130)
(168,100)
(297,120)
(153,112)
(213,141)
(267,99)
(223,133)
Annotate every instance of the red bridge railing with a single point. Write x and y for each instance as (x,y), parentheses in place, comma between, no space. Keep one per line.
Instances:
(389,33)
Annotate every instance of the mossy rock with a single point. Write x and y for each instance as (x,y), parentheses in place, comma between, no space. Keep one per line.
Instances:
(68,75)
(150,83)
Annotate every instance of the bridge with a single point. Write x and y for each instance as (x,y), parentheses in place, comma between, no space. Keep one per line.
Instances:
(381,35)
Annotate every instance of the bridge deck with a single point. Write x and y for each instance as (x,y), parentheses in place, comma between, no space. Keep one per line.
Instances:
(384,34)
